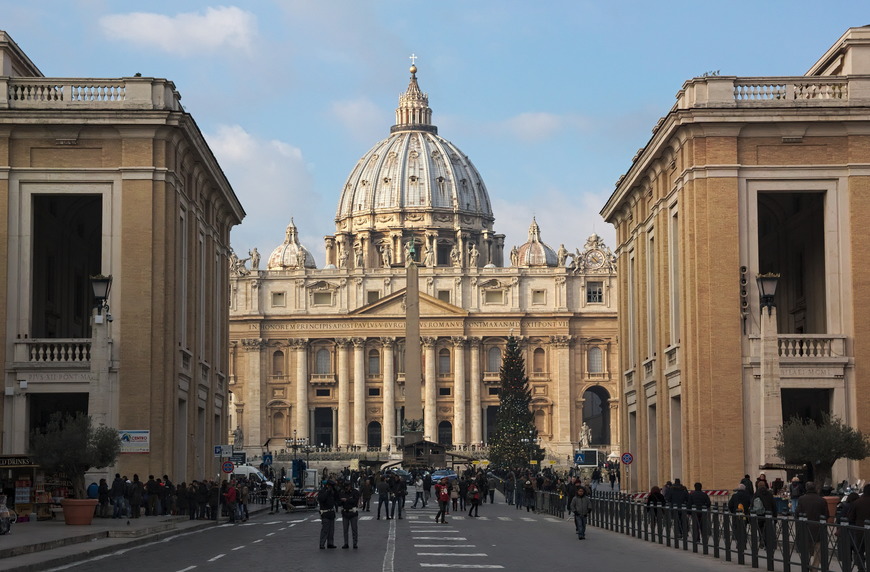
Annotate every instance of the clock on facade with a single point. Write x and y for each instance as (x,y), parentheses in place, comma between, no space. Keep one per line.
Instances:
(594,259)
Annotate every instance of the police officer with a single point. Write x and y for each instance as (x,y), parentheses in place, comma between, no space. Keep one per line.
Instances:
(327,500)
(348,499)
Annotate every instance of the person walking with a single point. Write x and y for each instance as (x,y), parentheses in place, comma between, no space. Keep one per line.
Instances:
(815,509)
(679,499)
(427,488)
(473,496)
(383,488)
(348,499)
(231,500)
(400,489)
(858,515)
(529,495)
(442,494)
(739,505)
(117,495)
(491,486)
(699,502)
(417,487)
(366,491)
(764,508)
(327,501)
(580,507)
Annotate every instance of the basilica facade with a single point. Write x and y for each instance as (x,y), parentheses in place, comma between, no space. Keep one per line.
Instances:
(318,353)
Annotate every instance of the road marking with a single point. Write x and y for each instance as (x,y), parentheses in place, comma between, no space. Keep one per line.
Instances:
(270,534)
(258,540)
(433,530)
(239,547)
(218,557)
(186,569)
(448,554)
(507,518)
(438,538)
(445,546)
(528,519)
(283,528)
(273,522)
(489,566)
(390,552)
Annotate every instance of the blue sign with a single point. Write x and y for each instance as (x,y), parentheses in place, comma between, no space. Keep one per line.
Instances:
(267,459)
(228,467)
(579,459)
(627,458)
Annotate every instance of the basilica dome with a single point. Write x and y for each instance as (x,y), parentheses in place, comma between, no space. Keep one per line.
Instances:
(534,252)
(290,254)
(414,178)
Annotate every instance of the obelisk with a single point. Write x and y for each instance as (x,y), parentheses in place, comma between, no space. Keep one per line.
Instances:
(413,421)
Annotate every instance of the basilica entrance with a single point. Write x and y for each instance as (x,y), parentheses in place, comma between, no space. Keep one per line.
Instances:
(323,427)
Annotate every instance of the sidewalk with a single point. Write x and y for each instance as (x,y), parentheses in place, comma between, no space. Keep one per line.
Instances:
(33,546)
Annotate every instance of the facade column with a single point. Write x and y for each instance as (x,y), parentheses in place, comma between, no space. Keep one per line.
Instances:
(561,439)
(301,346)
(388,429)
(771,396)
(253,420)
(459,413)
(476,436)
(359,392)
(430,417)
(335,425)
(343,394)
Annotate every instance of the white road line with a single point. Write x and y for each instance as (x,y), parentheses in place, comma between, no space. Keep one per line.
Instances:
(273,522)
(449,554)
(270,534)
(186,569)
(282,528)
(507,518)
(438,538)
(528,519)
(218,557)
(390,552)
(488,566)
(239,547)
(445,546)
(258,540)
(433,530)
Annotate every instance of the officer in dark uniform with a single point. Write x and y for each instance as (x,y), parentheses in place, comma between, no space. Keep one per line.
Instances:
(327,500)
(348,499)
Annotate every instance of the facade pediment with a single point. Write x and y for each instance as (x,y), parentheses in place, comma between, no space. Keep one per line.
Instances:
(394,305)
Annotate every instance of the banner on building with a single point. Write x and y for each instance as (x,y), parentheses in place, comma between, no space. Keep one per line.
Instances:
(135,441)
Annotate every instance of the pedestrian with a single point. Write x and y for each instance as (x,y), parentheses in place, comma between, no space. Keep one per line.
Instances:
(417,487)
(580,507)
(427,488)
(230,500)
(400,491)
(529,495)
(491,486)
(858,515)
(473,497)
(454,494)
(137,491)
(383,488)
(699,503)
(348,499)
(442,494)
(764,508)
(679,499)
(795,490)
(509,484)
(815,509)
(655,503)
(327,501)
(117,495)
(367,490)
(596,478)
(739,505)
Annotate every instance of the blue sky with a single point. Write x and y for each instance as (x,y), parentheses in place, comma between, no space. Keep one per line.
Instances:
(550,101)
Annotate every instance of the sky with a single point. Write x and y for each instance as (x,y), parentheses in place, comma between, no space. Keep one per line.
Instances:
(550,100)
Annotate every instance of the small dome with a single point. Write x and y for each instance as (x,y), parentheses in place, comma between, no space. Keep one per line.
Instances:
(290,254)
(534,252)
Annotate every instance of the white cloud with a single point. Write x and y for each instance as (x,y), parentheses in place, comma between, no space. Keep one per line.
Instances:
(224,27)
(273,183)
(362,118)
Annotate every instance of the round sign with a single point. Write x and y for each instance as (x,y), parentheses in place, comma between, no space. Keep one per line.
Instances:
(228,467)
(627,458)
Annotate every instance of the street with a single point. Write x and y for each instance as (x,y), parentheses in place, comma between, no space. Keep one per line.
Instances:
(502,538)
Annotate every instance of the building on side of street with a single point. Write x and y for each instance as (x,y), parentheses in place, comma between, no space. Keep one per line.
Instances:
(317,354)
(746,176)
(112,177)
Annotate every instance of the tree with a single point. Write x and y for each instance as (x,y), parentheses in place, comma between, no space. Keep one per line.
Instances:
(820,444)
(70,444)
(515,440)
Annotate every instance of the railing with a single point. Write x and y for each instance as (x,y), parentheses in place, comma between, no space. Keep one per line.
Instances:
(80,93)
(800,91)
(790,90)
(781,542)
(808,346)
(672,356)
(55,351)
(322,379)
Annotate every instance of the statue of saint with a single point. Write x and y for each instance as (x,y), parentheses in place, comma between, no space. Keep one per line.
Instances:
(429,257)
(342,258)
(473,256)
(515,257)
(238,438)
(300,258)
(357,255)
(562,256)
(456,257)
(585,436)
(255,259)
(387,255)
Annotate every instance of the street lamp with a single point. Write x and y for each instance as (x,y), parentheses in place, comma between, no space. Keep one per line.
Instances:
(766,289)
(101,286)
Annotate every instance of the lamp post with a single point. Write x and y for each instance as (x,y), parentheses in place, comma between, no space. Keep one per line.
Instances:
(770,402)
(102,393)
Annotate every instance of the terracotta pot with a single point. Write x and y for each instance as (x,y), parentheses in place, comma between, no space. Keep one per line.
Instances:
(78,511)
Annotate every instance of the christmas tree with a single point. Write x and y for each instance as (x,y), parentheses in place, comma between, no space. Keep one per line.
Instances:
(515,440)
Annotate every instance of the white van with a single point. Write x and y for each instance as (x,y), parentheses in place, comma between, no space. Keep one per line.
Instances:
(251,473)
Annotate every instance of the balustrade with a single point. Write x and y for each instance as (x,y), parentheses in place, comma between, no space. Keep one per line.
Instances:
(58,351)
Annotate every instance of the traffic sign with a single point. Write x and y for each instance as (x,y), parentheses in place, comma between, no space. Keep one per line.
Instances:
(579,459)
(228,467)
(627,458)
(223,450)
(267,459)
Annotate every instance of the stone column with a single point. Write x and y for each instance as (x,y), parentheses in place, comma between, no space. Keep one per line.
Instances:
(389,427)
(335,425)
(459,414)
(476,436)
(430,417)
(770,399)
(561,432)
(359,392)
(343,394)
(252,420)
(302,427)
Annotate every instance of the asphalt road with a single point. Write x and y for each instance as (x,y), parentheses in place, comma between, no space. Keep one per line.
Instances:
(502,538)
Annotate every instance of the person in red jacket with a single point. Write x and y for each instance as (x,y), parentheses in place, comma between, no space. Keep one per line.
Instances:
(442,493)
(230,497)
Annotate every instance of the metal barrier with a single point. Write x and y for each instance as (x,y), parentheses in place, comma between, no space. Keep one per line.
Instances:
(792,543)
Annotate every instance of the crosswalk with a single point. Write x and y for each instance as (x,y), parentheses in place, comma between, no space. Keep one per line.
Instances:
(443,546)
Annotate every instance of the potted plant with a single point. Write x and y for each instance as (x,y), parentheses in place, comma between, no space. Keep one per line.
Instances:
(70,444)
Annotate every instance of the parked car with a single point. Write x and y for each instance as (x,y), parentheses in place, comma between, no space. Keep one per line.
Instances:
(403,474)
(441,473)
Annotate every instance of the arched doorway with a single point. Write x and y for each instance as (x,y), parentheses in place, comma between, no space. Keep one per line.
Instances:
(445,433)
(596,414)
(374,435)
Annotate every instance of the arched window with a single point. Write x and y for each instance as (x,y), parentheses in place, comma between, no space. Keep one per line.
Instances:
(538,364)
(278,424)
(596,414)
(594,360)
(322,362)
(374,435)
(278,363)
(493,360)
(443,361)
(374,362)
(445,433)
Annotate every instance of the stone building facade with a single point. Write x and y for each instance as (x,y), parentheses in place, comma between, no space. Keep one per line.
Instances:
(318,353)
(112,177)
(743,177)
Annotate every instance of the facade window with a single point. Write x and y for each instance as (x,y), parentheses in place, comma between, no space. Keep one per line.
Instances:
(400,358)
(444,295)
(594,360)
(538,364)
(494,390)
(374,391)
(278,363)
(322,299)
(539,297)
(443,391)
(493,297)
(595,292)
(279,299)
(372,296)
(322,362)
(443,361)
(322,392)
(493,360)
(374,362)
